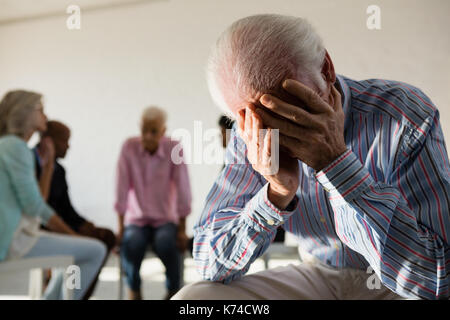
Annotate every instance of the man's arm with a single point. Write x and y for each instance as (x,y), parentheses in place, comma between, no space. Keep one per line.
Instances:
(56,224)
(45,152)
(238,221)
(45,180)
(401,226)
(123,185)
(180,179)
(60,200)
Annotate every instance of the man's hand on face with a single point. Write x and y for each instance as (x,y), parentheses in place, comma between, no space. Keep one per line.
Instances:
(284,182)
(316,136)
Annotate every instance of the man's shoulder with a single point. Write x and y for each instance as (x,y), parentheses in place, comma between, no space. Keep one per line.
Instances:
(132,142)
(396,99)
(170,143)
(59,168)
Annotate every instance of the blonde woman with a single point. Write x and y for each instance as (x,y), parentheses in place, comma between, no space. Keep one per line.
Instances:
(22,208)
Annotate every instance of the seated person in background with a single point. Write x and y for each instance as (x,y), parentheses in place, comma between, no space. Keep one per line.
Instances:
(153,200)
(22,208)
(52,177)
(362,181)
(225,124)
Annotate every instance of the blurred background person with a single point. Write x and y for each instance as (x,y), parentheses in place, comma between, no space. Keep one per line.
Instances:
(51,175)
(22,207)
(54,144)
(225,123)
(153,200)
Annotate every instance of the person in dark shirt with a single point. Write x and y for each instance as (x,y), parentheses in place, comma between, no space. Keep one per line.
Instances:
(225,123)
(52,178)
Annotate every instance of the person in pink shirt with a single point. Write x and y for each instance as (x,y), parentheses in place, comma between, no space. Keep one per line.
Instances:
(153,200)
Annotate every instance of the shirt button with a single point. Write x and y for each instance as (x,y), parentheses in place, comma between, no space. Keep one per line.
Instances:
(323,220)
(336,246)
(270,222)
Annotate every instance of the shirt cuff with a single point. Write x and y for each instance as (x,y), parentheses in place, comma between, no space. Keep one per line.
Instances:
(183,213)
(345,178)
(263,215)
(120,209)
(46,214)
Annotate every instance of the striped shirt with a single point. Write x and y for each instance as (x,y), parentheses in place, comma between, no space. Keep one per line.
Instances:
(384,203)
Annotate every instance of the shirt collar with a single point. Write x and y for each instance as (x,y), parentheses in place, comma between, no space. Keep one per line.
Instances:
(344,89)
(345,92)
(159,152)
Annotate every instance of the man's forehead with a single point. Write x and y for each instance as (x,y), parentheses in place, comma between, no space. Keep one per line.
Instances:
(156,122)
(238,100)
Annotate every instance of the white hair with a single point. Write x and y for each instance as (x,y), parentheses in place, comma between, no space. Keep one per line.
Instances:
(255,54)
(154,113)
(16,112)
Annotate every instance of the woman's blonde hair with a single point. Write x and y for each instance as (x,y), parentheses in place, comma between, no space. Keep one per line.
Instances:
(16,109)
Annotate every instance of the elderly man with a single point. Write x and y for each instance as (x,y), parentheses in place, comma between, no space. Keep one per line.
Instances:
(153,200)
(363,178)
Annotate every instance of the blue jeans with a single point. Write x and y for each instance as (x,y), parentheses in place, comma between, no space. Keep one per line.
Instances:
(88,254)
(163,242)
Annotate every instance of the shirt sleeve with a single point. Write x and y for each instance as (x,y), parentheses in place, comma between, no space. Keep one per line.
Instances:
(20,165)
(123,183)
(400,225)
(238,222)
(181,181)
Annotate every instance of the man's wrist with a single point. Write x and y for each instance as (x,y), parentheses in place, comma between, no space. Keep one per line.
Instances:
(181,227)
(280,198)
(48,167)
(337,154)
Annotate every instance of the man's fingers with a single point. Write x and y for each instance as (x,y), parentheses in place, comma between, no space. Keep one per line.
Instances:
(257,125)
(286,127)
(337,98)
(290,144)
(247,124)
(267,148)
(308,96)
(288,111)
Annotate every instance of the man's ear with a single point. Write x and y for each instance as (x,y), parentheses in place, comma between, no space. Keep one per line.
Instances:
(327,71)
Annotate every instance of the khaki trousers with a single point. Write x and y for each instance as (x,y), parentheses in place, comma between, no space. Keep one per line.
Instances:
(310,280)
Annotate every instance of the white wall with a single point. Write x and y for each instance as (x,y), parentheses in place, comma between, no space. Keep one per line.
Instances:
(98,79)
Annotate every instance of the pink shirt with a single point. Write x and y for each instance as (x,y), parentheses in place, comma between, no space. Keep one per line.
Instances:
(151,189)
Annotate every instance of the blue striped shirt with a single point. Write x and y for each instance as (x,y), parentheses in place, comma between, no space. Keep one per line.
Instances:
(384,203)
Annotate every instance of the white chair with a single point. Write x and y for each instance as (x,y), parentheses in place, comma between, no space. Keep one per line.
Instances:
(35,266)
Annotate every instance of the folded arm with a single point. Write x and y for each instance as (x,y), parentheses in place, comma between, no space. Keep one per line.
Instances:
(401,226)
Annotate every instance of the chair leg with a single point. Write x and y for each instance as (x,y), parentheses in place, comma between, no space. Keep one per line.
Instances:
(36,284)
(266,258)
(183,256)
(120,297)
(67,290)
